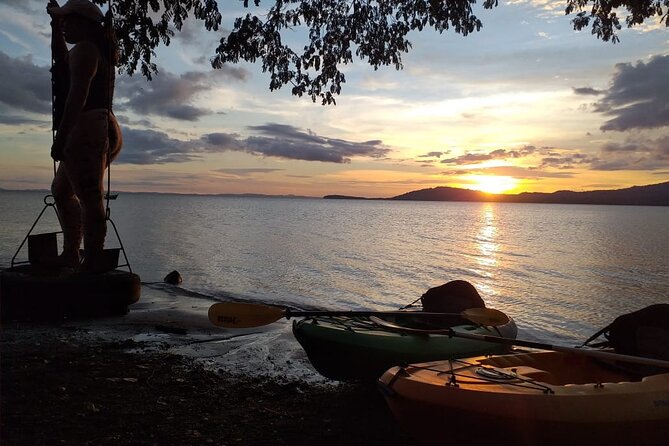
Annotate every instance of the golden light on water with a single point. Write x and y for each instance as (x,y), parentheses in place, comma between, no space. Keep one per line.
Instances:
(492,184)
(486,239)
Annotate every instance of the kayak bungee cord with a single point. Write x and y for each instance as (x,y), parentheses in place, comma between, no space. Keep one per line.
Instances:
(504,377)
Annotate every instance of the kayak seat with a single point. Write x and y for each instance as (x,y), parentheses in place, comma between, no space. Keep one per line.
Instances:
(455,296)
(533,373)
(564,369)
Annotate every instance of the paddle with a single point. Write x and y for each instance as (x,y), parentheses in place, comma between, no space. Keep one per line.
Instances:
(246,315)
(520,342)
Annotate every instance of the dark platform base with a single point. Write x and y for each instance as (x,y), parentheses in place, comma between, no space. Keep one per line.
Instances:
(30,293)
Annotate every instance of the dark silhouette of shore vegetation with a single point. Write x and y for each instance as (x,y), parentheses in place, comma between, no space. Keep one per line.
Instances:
(376,32)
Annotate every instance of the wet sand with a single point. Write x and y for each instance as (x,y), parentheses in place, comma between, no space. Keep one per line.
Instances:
(163,375)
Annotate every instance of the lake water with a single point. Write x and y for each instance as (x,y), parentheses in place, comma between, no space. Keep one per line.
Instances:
(562,271)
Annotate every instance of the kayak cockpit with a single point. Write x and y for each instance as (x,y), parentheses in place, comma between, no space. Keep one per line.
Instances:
(561,369)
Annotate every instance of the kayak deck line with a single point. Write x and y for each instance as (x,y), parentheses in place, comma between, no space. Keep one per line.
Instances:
(347,349)
(486,373)
(529,398)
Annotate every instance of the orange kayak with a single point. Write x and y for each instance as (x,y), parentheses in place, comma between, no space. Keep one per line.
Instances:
(538,398)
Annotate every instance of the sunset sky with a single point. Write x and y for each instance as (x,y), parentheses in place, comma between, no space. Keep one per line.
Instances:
(526,104)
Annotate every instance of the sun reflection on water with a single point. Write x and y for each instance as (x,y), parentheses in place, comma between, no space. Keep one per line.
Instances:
(486,239)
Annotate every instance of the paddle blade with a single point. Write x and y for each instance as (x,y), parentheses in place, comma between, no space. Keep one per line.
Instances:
(486,316)
(243,315)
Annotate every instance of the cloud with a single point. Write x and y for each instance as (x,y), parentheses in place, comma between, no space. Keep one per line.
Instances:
(549,162)
(626,147)
(433,155)
(527,172)
(154,147)
(510,171)
(276,140)
(587,91)
(190,33)
(165,180)
(18,120)
(286,141)
(623,164)
(245,172)
(648,155)
(23,6)
(166,95)
(477,158)
(638,97)
(637,154)
(24,85)
(567,160)
(171,95)
(223,142)
(124,120)
(469,158)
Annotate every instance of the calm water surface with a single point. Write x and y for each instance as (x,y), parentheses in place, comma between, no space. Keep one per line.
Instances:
(562,271)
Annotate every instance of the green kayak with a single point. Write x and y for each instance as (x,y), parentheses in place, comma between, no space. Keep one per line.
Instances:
(355,348)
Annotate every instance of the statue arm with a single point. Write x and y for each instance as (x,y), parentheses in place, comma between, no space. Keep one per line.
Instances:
(83,63)
(58,45)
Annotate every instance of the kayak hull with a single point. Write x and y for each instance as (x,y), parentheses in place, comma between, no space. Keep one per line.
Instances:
(349,349)
(537,405)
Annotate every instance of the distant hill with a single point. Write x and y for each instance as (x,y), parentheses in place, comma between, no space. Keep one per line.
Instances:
(651,195)
(445,194)
(348,197)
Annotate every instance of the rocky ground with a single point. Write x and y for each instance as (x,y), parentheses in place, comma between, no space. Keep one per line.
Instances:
(60,387)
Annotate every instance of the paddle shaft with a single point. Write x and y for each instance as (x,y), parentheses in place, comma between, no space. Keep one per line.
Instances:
(531,344)
(299,313)
(558,348)
(247,315)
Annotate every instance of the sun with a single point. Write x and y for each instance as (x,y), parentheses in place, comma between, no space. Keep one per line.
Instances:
(493,184)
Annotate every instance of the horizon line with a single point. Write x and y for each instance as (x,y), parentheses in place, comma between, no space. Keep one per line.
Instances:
(252,194)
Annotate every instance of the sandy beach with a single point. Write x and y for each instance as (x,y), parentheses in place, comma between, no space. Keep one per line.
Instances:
(164,375)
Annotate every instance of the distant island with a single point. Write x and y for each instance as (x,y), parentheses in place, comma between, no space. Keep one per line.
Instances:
(650,195)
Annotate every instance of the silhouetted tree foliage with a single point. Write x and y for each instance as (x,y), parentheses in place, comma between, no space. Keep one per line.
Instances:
(604,18)
(336,30)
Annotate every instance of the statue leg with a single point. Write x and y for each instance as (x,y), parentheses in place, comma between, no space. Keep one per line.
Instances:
(86,150)
(69,212)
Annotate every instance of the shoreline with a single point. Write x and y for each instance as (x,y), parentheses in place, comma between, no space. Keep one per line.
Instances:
(62,384)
